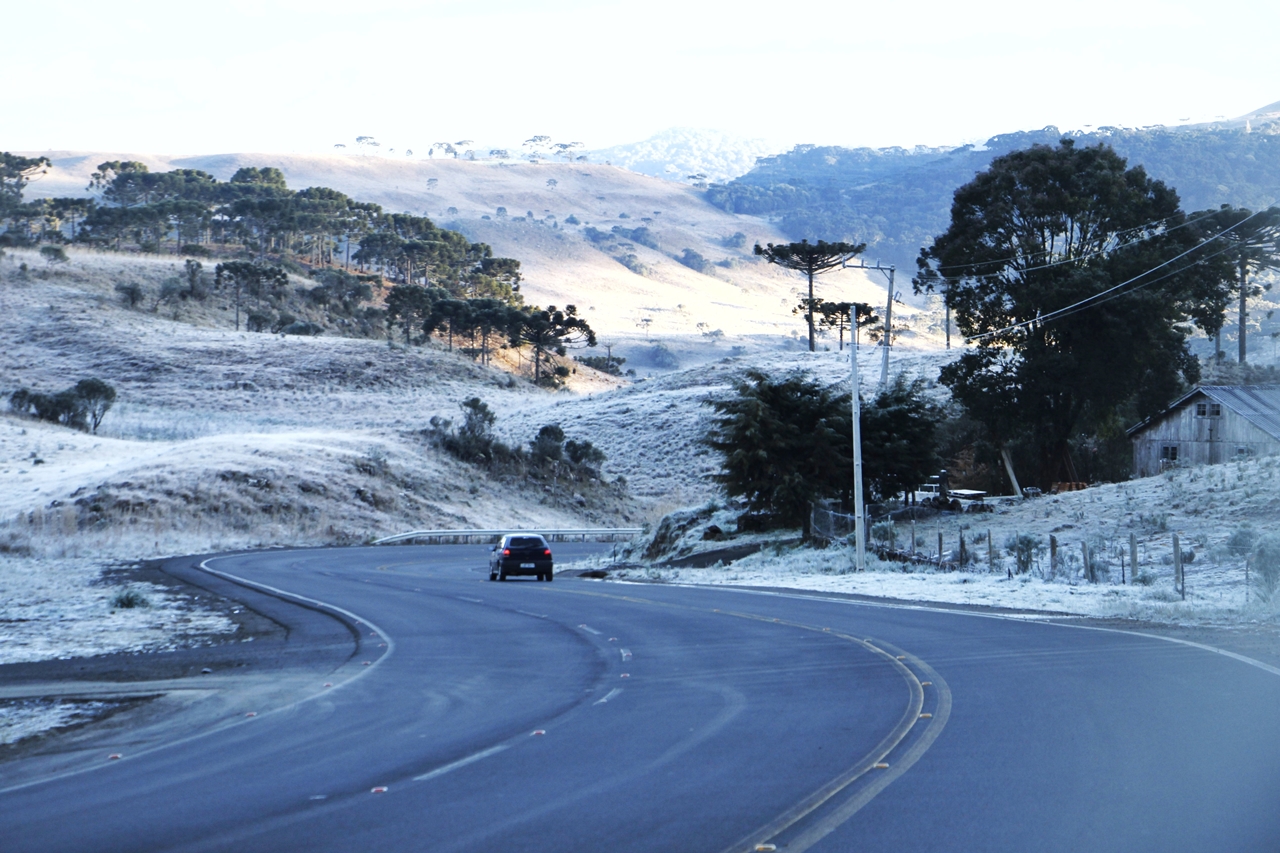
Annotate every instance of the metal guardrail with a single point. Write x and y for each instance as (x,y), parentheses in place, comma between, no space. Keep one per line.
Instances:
(440,537)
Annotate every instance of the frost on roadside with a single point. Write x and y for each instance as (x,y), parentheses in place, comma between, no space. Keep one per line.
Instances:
(59,609)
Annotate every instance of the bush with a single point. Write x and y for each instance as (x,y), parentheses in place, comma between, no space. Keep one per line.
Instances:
(284,321)
(195,250)
(584,453)
(128,599)
(549,444)
(886,533)
(610,364)
(474,441)
(259,321)
(1024,548)
(1265,561)
(54,255)
(1242,540)
(641,235)
(131,293)
(661,356)
(696,262)
(633,263)
(172,288)
(82,406)
(302,327)
(572,220)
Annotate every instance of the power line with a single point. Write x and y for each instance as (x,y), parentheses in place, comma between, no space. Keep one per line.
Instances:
(1112,292)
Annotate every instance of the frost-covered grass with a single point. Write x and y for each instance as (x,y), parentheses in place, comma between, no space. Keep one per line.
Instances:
(63,608)
(24,718)
(1214,511)
(1214,596)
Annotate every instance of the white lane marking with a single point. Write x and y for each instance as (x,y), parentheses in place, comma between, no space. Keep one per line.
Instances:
(614,692)
(359,621)
(535,615)
(589,629)
(464,598)
(626,654)
(462,762)
(1058,620)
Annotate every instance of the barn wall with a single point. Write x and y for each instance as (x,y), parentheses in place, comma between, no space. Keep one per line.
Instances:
(1200,440)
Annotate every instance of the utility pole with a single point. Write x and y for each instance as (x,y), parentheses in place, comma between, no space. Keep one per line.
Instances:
(946,302)
(859,511)
(888,314)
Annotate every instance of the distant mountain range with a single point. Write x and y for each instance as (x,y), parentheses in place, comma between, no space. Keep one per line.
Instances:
(897,199)
(687,154)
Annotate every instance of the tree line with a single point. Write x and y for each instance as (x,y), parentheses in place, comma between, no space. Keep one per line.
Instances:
(254,214)
(444,284)
(420,312)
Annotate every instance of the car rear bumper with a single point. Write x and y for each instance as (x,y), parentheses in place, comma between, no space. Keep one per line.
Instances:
(511,568)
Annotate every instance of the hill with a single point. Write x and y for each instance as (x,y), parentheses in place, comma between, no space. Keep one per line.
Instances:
(644,259)
(683,153)
(897,199)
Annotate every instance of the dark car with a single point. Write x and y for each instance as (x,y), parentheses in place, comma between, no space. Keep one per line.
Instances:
(521,554)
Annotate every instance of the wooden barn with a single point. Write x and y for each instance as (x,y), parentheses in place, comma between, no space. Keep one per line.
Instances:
(1212,424)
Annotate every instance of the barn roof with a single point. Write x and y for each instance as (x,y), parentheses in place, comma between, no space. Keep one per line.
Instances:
(1257,404)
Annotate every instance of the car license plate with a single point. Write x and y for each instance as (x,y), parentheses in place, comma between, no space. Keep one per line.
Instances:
(526,565)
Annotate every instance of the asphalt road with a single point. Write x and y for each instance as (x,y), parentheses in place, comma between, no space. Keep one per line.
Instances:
(589,716)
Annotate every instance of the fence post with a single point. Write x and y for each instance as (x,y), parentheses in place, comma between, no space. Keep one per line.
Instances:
(1133,556)
(963,554)
(939,547)
(1053,555)
(991,552)
(1088,569)
(1179,582)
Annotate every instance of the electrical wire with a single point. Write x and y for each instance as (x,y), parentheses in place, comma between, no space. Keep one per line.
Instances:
(1114,291)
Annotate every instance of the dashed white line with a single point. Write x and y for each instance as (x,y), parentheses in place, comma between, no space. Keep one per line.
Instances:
(606,697)
(626,654)
(462,762)
(535,615)
(589,629)
(472,600)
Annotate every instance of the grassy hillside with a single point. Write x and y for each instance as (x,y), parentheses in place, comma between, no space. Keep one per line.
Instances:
(558,220)
(221,438)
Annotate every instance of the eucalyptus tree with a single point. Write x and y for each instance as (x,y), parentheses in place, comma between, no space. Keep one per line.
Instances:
(1075,279)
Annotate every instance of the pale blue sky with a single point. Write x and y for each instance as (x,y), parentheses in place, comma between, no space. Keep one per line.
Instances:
(267,76)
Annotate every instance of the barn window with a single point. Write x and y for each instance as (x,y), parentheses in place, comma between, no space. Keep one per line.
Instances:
(1169,453)
(1244,450)
(1208,410)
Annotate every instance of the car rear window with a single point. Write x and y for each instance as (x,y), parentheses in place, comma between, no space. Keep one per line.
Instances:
(526,542)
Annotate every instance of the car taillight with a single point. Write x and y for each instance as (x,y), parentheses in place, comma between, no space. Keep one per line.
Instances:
(546,552)
(506,552)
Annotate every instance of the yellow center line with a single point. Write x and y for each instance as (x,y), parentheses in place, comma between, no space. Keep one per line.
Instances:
(873,760)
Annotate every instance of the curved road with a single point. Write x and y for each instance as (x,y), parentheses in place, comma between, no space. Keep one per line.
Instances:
(588,716)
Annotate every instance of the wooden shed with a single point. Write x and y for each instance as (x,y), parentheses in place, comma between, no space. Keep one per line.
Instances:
(1212,424)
